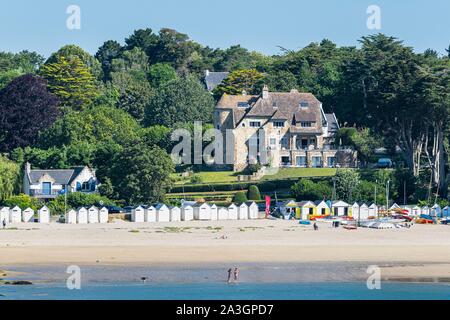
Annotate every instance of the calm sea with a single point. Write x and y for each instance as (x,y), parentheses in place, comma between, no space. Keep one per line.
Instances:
(216,291)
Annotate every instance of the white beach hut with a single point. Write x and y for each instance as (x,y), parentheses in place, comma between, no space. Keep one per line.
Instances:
(426,210)
(93,214)
(222,214)
(44,215)
(82,215)
(340,208)
(15,215)
(103,215)
(187,212)
(138,214)
(363,212)
(322,208)
(416,211)
(202,211)
(232,212)
(243,211)
(28,215)
(253,210)
(175,214)
(4,214)
(214,213)
(355,210)
(436,210)
(373,210)
(395,207)
(71,217)
(150,214)
(162,213)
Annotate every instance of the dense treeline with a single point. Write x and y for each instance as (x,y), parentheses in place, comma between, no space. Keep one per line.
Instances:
(115,110)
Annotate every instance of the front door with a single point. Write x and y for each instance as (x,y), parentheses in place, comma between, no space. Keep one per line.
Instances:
(46,188)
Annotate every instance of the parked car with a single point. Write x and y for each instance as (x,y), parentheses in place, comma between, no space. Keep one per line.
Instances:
(384,163)
(114,209)
(128,209)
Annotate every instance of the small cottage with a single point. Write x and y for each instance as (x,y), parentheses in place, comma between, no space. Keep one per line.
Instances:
(138,214)
(82,215)
(28,215)
(150,214)
(44,215)
(232,212)
(93,215)
(187,212)
(15,215)
(162,213)
(373,210)
(340,208)
(71,217)
(253,210)
(175,214)
(4,214)
(322,208)
(305,210)
(363,212)
(202,211)
(222,214)
(103,215)
(243,211)
(214,213)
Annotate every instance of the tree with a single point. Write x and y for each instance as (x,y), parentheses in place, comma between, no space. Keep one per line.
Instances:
(14,65)
(23,201)
(109,51)
(160,74)
(240,197)
(236,82)
(253,193)
(306,189)
(347,184)
(141,175)
(71,81)
(363,141)
(9,178)
(180,101)
(77,200)
(26,107)
(134,98)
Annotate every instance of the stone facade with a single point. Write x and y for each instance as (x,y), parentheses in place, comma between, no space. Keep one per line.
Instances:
(290,127)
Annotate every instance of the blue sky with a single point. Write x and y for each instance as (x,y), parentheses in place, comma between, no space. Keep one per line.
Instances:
(257,25)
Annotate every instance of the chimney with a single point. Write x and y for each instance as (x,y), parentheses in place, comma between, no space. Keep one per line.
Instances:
(294,91)
(206,73)
(27,167)
(265,92)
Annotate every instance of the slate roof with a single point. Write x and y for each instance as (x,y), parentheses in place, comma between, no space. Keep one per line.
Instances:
(333,125)
(61,176)
(213,79)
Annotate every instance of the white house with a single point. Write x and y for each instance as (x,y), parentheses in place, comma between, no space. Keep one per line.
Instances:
(187,212)
(71,217)
(44,215)
(232,212)
(15,215)
(82,215)
(416,211)
(340,208)
(138,214)
(28,215)
(93,215)
(48,184)
(175,213)
(373,210)
(222,214)
(4,214)
(103,215)
(150,214)
(162,213)
(243,211)
(202,211)
(214,213)
(253,210)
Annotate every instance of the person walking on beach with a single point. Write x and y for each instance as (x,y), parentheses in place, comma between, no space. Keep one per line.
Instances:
(236,274)
(229,275)
(4,223)
(316,227)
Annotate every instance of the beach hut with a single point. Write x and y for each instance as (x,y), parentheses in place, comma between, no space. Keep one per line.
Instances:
(445,212)
(44,215)
(28,215)
(214,213)
(187,212)
(103,215)
(232,212)
(15,215)
(340,208)
(138,214)
(394,207)
(202,211)
(162,213)
(363,212)
(288,209)
(150,214)
(253,210)
(435,211)
(71,217)
(354,210)
(416,211)
(243,211)
(82,215)
(4,214)
(322,208)
(93,215)
(426,210)
(175,213)
(305,210)
(222,214)
(373,210)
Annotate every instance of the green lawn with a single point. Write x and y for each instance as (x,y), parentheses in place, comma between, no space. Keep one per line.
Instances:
(293,173)
(213,177)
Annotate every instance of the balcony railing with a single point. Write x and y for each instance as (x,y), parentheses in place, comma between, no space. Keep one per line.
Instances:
(43,193)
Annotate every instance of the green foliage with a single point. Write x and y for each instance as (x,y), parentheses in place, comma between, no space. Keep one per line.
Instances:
(240,197)
(238,81)
(13,65)
(347,184)
(196,179)
(9,178)
(76,200)
(161,73)
(363,141)
(23,201)
(253,193)
(306,189)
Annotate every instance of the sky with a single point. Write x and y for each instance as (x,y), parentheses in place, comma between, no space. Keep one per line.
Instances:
(260,25)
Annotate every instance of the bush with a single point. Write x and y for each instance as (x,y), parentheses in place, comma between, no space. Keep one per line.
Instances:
(76,200)
(240,197)
(23,201)
(306,189)
(253,193)
(196,179)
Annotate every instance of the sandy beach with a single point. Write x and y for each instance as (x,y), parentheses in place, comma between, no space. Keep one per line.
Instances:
(421,252)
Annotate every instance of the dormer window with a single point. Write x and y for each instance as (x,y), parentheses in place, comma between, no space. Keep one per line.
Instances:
(304,104)
(274,105)
(242,105)
(278,124)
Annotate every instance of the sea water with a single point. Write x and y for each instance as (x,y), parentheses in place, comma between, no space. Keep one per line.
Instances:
(219,291)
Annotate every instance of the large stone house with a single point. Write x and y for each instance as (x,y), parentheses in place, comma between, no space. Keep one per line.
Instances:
(296,130)
(48,184)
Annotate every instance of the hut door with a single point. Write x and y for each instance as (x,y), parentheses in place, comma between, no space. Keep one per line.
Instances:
(335,210)
(345,211)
